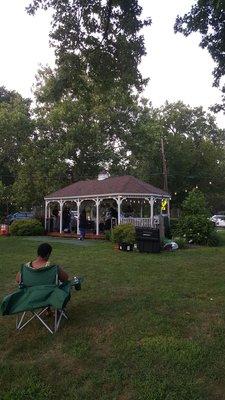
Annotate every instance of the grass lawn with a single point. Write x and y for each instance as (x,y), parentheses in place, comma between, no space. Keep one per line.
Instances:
(143,327)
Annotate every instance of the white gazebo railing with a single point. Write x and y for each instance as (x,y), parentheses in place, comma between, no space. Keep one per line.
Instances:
(141,222)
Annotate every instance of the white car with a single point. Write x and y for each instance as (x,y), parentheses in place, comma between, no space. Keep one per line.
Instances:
(218,220)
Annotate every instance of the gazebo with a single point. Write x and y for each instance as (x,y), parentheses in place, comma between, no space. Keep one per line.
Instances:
(122,190)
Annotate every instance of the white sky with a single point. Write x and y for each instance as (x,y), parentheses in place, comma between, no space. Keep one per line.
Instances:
(178,68)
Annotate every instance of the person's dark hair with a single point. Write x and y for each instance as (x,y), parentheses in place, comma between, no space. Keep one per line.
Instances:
(44,250)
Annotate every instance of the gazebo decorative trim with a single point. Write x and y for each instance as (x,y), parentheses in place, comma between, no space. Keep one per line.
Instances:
(107,196)
(128,187)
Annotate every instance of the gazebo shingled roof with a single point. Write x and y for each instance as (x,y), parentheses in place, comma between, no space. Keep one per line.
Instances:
(113,185)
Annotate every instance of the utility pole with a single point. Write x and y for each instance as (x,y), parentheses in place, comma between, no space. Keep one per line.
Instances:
(165,173)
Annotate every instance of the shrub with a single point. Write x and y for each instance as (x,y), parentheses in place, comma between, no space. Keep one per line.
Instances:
(214,239)
(182,242)
(173,224)
(194,224)
(28,227)
(195,228)
(195,204)
(108,235)
(124,233)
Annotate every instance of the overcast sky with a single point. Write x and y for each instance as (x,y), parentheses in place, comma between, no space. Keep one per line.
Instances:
(178,68)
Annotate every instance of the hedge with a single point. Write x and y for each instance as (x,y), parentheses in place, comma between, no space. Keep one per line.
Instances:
(28,227)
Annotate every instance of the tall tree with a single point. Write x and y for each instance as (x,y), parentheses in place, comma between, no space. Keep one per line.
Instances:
(40,172)
(86,133)
(99,39)
(86,105)
(194,149)
(208,18)
(15,127)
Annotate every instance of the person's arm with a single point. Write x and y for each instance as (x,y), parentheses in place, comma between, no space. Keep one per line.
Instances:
(18,277)
(63,276)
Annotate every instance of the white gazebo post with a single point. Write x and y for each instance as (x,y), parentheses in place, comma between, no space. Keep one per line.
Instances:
(152,200)
(151,203)
(46,213)
(78,215)
(119,202)
(49,210)
(97,202)
(61,202)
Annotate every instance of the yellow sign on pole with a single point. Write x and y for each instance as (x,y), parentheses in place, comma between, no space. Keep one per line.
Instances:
(164,204)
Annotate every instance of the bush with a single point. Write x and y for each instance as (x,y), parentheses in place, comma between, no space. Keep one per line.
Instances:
(195,204)
(194,224)
(124,233)
(173,224)
(108,235)
(195,228)
(214,239)
(182,242)
(28,227)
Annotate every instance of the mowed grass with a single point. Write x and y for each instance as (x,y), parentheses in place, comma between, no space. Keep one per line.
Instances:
(143,327)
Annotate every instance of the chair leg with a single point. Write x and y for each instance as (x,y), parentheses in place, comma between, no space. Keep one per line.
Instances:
(64,314)
(58,314)
(19,324)
(43,322)
(19,321)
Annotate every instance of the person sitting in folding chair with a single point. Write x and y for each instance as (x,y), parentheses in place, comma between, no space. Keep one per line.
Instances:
(43,253)
(41,286)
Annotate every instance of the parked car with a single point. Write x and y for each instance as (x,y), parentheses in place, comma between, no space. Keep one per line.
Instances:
(218,220)
(19,216)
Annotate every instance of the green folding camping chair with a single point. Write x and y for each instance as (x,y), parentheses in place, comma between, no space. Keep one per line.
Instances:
(39,290)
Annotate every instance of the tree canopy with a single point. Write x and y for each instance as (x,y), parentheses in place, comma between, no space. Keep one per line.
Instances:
(16,129)
(97,39)
(208,18)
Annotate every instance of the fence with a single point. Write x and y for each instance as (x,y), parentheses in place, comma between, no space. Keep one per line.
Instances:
(140,222)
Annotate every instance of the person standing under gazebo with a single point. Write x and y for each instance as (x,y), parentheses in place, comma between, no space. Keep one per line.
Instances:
(82,225)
